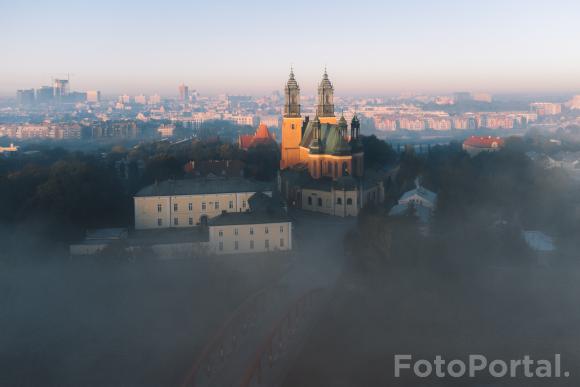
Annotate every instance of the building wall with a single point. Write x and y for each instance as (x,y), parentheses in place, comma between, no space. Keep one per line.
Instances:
(328,120)
(175,211)
(472,150)
(417,200)
(337,203)
(373,195)
(291,137)
(250,238)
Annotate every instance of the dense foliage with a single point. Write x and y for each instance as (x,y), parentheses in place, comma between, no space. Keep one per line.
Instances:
(484,202)
(55,199)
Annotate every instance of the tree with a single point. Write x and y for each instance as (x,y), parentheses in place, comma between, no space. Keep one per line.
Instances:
(162,167)
(262,162)
(378,154)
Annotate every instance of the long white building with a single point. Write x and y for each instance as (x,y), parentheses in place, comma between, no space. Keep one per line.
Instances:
(186,203)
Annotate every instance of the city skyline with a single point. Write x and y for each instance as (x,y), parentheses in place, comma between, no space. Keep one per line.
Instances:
(377,49)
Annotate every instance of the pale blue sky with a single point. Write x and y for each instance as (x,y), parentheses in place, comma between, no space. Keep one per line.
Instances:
(370,47)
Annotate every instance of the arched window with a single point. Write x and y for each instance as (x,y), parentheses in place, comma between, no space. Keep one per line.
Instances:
(309,200)
(319,202)
(349,201)
(339,201)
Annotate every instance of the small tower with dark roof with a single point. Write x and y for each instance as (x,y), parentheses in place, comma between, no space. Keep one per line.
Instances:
(354,128)
(316,144)
(325,107)
(291,124)
(292,97)
(342,126)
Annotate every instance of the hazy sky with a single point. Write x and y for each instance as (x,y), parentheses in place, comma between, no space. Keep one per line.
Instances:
(370,47)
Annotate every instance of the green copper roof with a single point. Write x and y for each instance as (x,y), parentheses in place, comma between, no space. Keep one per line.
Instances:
(330,142)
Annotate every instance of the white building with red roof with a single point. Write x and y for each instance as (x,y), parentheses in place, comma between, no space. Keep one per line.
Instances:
(477,144)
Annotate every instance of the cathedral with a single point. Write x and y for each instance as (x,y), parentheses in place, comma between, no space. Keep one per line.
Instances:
(322,160)
(323,145)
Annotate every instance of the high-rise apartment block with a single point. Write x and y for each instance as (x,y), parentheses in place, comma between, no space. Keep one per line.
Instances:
(183,92)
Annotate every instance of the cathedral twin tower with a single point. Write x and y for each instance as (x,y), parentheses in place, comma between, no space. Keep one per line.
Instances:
(322,145)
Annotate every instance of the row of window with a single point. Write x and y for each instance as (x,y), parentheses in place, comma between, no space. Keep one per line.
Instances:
(331,168)
(237,244)
(175,221)
(338,201)
(204,206)
(236,231)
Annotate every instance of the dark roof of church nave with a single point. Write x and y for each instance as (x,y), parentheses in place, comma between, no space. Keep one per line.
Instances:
(331,140)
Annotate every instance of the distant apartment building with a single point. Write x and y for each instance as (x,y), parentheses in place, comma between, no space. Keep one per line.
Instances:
(438,123)
(61,87)
(45,94)
(166,130)
(155,99)
(183,93)
(271,121)
(125,99)
(25,96)
(546,108)
(8,130)
(385,122)
(249,120)
(574,103)
(496,121)
(93,96)
(197,119)
(482,97)
(463,123)
(444,100)
(186,203)
(34,131)
(504,120)
(412,123)
(140,99)
(462,96)
(67,131)
(118,129)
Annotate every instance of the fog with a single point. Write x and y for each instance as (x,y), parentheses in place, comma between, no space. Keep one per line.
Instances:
(470,285)
(87,322)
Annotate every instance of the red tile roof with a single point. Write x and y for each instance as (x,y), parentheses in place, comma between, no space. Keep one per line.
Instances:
(263,132)
(262,136)
(484,142)
(246,140)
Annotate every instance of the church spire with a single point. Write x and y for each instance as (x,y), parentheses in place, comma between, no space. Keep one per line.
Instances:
(325,107)
(292,96)
(342,126)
